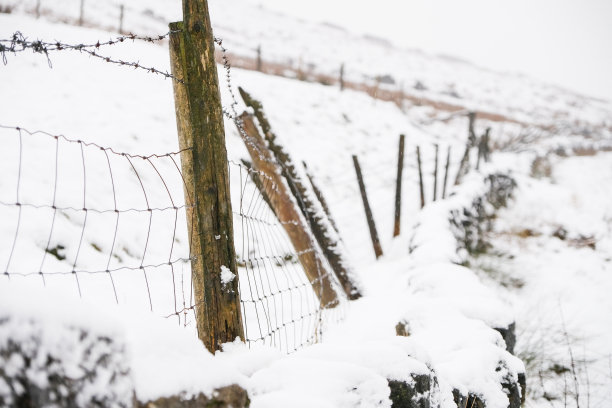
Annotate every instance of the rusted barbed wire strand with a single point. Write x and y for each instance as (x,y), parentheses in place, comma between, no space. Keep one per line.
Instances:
(19,43)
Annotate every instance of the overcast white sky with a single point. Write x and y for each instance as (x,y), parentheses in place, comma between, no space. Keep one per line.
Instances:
(565,42)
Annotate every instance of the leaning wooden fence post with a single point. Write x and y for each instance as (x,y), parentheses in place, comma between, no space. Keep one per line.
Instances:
(421,189)
(289,214)
(398,187)
(448,155)
(435,175)
(366,205)
(320,197)
(205,171)
(321,228)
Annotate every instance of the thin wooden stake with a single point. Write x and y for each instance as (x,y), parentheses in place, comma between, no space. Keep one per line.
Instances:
(448,155)
(421,189)
(398,187)
(320,197)
(366,205)
(486,154)
(121,12)
(259,63)
(81,12)
(37,9)
(205,170)
(435,176)
(342,77)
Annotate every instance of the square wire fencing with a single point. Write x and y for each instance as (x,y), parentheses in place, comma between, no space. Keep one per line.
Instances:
(83,220)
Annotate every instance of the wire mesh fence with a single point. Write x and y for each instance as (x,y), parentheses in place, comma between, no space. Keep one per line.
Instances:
(79,217)
(85,220)
(114,227)
(280,305)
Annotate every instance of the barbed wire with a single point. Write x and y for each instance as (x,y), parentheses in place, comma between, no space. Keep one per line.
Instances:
(19,43)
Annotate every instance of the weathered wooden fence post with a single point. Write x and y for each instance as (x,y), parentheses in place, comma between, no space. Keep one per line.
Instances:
(121,12)
(289,214)
(464,165)
(342,77)
(366,205)
(321,228)
(421,188)
(81,12)
(448,155)
(435,175)
(487,145)
(483,148)
(37,10)
(205,170)
(398,187)
(320,197)
(259,64)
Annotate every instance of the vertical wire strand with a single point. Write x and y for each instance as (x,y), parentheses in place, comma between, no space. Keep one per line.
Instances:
(110,254)
(18,204)
(42,262)
(144,253)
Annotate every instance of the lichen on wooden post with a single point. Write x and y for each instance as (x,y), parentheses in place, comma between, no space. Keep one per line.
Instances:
(205,170)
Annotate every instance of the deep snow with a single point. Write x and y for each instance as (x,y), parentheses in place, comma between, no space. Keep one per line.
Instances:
(449,311)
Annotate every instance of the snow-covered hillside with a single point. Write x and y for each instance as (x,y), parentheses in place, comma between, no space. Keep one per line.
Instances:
(449,311)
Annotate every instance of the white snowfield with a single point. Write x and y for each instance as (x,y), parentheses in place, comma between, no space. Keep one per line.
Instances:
(450,311)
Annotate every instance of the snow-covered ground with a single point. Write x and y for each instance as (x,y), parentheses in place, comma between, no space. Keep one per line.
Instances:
(550,257)
(449,312)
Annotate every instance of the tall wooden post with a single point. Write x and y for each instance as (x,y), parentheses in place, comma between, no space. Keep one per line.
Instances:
(81,12)
(421,189)
(259,64)
(205,170)
(448,155)
(435,176)
(121,12)
(398,187)
(342,77)
(366,205)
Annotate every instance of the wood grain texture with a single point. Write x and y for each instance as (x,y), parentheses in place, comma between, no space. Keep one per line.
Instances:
(205,170)
(322,229)
(288,214)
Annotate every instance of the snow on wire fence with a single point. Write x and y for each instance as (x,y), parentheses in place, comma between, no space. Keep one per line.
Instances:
(113,227)
(107,226)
